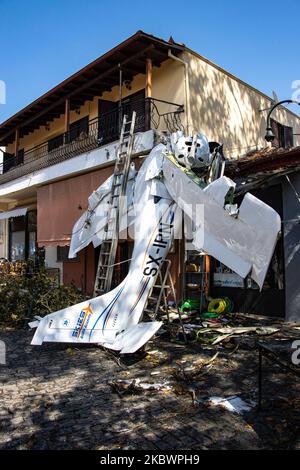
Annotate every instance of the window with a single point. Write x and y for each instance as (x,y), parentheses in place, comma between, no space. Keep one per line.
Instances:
(31,231)
(17,229)
(17,246)
(22,237)
(31,245)
(56,142)
(283,135)
(63,253)
(20,157)
(10,161)
(79,129)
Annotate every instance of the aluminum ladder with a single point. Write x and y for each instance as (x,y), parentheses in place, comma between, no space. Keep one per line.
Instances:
(108,248)
(158,295)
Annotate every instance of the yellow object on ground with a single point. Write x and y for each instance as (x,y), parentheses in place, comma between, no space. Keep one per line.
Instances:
(191,268)
(217,306)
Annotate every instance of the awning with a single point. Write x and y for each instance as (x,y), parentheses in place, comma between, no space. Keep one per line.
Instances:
(60,204)
(14,213)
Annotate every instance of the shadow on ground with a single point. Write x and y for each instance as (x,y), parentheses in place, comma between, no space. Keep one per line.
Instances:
(56,397)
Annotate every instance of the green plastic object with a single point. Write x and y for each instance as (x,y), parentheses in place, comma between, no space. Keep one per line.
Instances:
(229,305)
(208,315)
(190,304)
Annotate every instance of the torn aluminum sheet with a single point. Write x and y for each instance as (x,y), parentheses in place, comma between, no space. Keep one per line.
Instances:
(245,243)
(90,226)
(220,189)
(112,320)
(123,387)
(234,404)
(134,337)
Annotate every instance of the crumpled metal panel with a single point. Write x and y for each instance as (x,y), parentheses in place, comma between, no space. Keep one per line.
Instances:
(102,319)
(244,243)
(83,234)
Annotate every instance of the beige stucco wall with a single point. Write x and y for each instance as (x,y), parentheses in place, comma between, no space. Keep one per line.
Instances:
(51,260)
(56,127)
(224,108)
(167,84)
(227,110)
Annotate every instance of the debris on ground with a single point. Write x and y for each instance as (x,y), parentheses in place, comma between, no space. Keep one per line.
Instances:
(227,332)
(77,383)
(211,328)
(134,386)
(189,373)
(234,404)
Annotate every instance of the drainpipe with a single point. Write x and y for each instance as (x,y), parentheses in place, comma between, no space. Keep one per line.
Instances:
(186,88)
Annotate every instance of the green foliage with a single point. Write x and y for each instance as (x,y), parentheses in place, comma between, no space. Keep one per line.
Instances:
(24,294)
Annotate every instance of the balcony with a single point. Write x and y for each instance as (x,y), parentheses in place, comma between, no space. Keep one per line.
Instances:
(88,135)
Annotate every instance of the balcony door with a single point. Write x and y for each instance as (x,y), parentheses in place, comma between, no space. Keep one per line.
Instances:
(110,116)
(108,123)
(22,237)
(10,160)
(135,102)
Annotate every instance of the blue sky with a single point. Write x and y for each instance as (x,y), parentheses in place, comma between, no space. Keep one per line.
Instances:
(44,42)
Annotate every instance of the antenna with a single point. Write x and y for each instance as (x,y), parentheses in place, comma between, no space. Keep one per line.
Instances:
(275,97)
(274,100)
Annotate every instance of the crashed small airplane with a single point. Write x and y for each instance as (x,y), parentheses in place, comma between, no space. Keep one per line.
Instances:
(243,238)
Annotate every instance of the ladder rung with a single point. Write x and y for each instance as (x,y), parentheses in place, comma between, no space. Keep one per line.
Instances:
(120,171)
(162,287)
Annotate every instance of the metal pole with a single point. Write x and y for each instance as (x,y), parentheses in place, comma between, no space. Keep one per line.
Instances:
(259,376)
(120,97)
(269,132)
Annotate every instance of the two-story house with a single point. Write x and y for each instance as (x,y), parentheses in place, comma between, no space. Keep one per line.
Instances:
(60,147)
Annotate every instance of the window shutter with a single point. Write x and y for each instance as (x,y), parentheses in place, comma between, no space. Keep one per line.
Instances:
(288,137)
(8,161)
(62,254)
(276,132)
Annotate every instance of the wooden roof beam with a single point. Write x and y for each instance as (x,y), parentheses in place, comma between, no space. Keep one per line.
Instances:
(85,85)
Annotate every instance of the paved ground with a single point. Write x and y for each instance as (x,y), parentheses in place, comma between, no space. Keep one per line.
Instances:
(57,397)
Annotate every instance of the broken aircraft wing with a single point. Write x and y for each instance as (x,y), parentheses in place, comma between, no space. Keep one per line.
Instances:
(244,242)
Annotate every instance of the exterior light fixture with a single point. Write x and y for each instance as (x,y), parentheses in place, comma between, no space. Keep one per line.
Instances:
(269,132)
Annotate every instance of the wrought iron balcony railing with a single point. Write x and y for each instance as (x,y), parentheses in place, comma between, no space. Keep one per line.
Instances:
(88,135)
